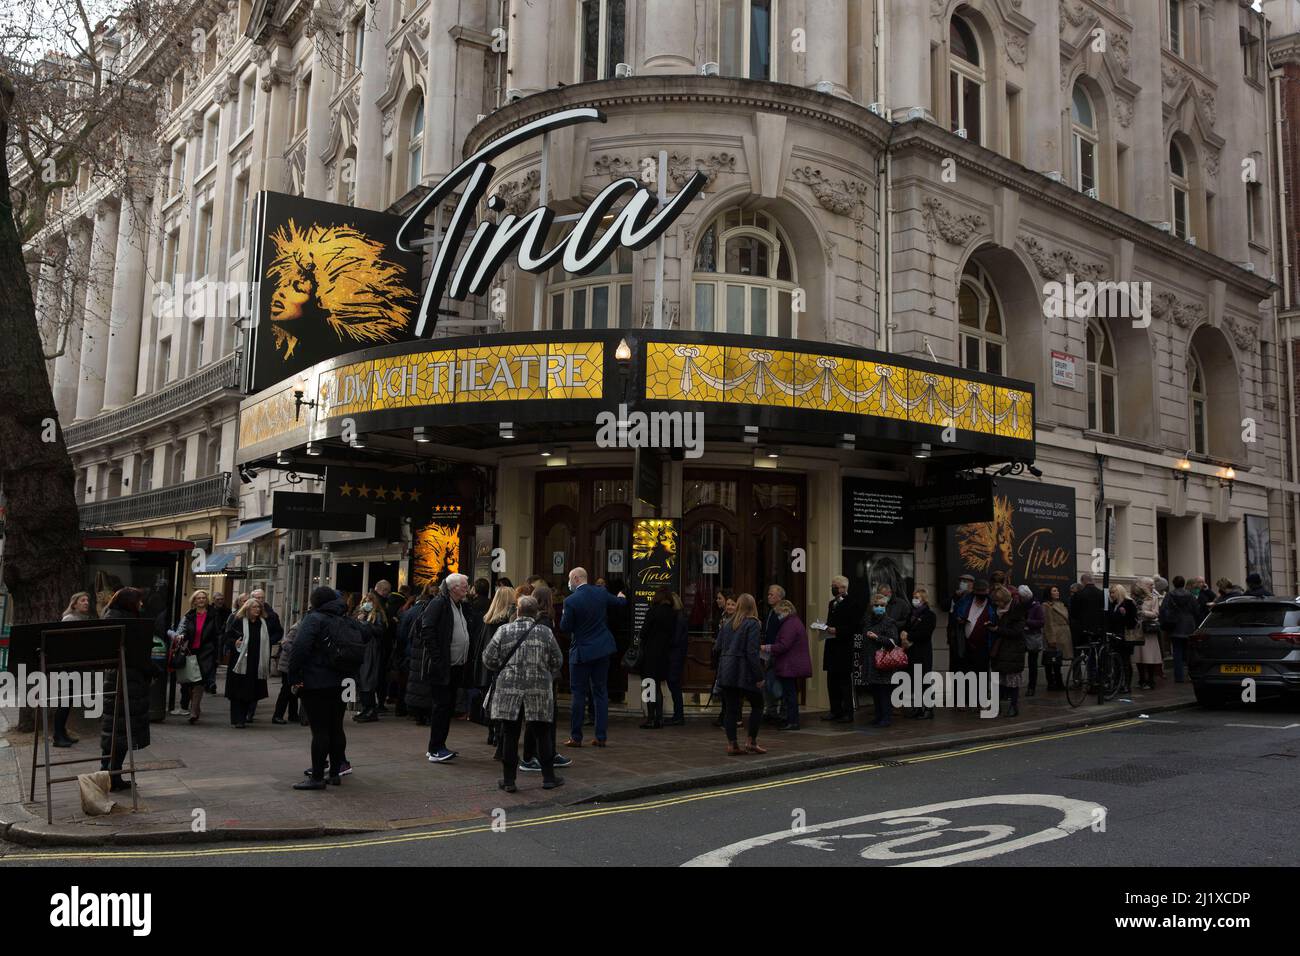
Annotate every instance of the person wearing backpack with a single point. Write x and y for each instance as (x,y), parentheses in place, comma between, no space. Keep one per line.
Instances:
(319,683)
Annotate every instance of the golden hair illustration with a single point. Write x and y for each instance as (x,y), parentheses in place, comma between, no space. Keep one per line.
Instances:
(978,543)
(336,275)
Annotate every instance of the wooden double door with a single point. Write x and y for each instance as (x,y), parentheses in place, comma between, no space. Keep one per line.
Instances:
(739,533)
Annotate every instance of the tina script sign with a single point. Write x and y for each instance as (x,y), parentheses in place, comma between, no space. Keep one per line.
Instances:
(656,556)
(581,252)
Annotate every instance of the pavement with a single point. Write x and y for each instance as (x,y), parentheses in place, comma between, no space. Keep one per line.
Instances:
(214,782)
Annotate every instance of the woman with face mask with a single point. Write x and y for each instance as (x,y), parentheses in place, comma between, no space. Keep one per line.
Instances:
(920,645)
(879,633)
(370,612)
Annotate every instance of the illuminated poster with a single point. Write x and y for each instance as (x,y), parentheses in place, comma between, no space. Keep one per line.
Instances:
(656,552)
(436,551)
(330,281)
(1031,537)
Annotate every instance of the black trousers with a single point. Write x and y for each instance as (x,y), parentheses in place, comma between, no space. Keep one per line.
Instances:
(1052,664)
(325,709)
(839,687)
(285,701)
(731,698)
(531,748)
(542,736)
(444,702)
(1033,670)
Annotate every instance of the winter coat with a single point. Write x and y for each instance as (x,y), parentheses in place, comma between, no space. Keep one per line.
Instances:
(526,671)
(1122,619)
(677,652)
(1180,613)
(1056,628)
(247,686)
(369,678)
(137,690)
(738,661)
(1007,655)
(843,615)
(920,626)
(405,627)
(657,633)
(477,674)
(1087,614)
(790,657)
(887,638)
(310,664)
(273,624)
(208,644)
(898,610)
(430,652)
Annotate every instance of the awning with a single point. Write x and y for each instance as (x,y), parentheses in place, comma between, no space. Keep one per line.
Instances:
(248,531)
(216,563)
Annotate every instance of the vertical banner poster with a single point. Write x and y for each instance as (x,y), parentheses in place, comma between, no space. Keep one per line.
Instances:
(1259,549)
(330,280)
(656,554)
(1031,537)
(436,550)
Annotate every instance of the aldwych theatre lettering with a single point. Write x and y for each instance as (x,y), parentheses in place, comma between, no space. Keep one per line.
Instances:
(634,226)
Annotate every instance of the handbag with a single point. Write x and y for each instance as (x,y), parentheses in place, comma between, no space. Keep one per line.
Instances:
(492,685)
(890,660)
(191,673)
(632,659)
(1034,642)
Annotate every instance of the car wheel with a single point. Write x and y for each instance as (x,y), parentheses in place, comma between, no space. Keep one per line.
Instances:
(1207,696)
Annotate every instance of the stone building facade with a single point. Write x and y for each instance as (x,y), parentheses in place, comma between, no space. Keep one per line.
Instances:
(905,176)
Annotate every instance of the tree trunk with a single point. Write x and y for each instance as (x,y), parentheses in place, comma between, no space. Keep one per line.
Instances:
(43,557)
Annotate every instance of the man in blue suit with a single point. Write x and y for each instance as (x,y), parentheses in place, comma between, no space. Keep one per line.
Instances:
(590,645)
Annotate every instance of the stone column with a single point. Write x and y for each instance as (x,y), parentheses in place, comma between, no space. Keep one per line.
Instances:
(71,301)
(440,148)
(99,300)
(828,44)
(275,84)
(370,138)
(319,28)
(670,30)
(908,72)
(128,304)
(529,47)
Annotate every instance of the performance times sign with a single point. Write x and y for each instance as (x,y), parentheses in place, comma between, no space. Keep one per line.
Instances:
(656,556)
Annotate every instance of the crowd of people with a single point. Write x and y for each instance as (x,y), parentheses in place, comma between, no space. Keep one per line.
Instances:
(456,649)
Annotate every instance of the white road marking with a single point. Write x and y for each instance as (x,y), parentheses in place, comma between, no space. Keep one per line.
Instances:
(1265,726)
(1076,815)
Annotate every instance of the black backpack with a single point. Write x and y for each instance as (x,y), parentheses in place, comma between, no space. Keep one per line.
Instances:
(345,645)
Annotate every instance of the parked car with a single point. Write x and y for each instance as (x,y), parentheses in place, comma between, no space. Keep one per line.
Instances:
(1246,637)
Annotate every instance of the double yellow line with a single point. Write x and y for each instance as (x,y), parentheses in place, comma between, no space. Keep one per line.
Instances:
(564,817)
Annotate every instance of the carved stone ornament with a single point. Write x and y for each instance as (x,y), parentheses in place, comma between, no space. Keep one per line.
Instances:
(941,223)
(389,121)
(1074,12)
(1124,113)
(1207,102)
(1212,164)
(1166,305)
(1058,264)
(1171,76)
(1119,48)
(938,8)
(672,315)
(681,168)
(1242,334)
(259,54)
(1016,51)
(519,195)
(844,197)
(615,167)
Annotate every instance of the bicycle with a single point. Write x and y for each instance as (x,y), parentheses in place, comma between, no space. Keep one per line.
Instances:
(1096,669)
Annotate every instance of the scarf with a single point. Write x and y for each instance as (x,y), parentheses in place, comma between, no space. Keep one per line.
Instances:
(263,655)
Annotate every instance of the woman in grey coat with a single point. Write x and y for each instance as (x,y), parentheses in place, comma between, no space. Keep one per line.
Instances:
(526,658)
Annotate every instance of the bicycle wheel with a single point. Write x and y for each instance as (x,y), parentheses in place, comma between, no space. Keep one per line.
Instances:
(1077,685)
(1113,680)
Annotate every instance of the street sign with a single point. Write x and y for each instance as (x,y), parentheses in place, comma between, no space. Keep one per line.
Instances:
(710,561)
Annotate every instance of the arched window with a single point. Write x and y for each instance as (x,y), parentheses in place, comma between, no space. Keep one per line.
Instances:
(146,472)
(601,37)
(1179,191)
(745,276)
(415,146)
(747,38)
(1083,130)
(966,78)
(1101,380)
(178,465)
(600,300)
(980,322)
(1197,419)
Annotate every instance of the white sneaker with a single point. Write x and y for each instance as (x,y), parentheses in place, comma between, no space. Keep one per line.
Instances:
(178,712)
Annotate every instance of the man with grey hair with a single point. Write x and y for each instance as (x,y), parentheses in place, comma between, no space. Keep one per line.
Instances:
(439,650)
(585,619)
(773,692)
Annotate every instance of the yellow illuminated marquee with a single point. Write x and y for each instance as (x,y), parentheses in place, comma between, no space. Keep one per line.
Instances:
(744,375)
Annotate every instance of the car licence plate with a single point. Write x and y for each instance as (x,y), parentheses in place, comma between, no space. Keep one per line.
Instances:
(1240,669)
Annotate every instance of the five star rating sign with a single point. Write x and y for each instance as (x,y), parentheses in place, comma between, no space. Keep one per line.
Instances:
(370,491)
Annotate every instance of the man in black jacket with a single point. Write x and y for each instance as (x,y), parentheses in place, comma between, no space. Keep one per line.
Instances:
(440,647)
(1179,615)
(1087,613)
(1255,586)
(320,686)
(842,619)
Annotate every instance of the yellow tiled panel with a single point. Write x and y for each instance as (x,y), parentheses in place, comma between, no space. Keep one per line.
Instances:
(978,416)
(866,382)
(663,370)
(885,380)
(780,369)
(674,372)
(930,394)
(585,367)
(436,378)
(825,371)
(351,385)
(740,366)
(1017,422)
(474,368)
